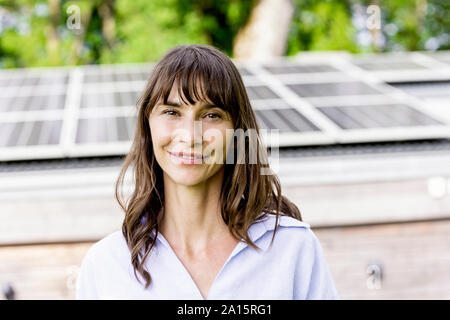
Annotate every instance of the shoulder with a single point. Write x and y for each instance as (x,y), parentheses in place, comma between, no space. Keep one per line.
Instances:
(104,252)
(287,225)
(293,235)
(110,246)
(284,221)
(290,233)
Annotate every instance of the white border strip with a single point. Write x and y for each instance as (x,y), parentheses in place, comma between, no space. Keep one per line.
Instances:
(100,149)
(31,152)
(106,112)
(33,115)
(71,110)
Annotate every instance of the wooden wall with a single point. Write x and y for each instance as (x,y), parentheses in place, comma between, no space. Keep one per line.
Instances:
(414,259)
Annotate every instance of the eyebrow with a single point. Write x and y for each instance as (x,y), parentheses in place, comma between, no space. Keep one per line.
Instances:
(177,105)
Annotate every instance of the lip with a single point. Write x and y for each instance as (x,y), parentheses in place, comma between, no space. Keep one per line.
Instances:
(195,158)
(185,154)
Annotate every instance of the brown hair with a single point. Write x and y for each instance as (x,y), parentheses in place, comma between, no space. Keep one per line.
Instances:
(246,195)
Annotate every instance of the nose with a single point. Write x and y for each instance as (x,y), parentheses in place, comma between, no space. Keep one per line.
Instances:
(190,131)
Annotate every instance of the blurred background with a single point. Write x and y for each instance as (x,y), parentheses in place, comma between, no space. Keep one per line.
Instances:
(359,91)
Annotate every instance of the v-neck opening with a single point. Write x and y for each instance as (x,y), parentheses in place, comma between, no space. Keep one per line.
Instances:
(239,246)
(255,232)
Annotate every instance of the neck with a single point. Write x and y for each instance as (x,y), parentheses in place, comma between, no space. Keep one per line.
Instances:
(192,219)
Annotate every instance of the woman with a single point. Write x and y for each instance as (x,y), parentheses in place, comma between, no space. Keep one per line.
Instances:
(202,218)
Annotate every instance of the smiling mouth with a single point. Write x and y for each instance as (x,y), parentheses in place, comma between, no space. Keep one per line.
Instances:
(186,156)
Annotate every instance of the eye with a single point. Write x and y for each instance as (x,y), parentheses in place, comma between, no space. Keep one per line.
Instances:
(213,115)
(170,112)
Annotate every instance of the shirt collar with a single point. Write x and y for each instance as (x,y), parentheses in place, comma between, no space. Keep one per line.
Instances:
(267,224)
(259,228)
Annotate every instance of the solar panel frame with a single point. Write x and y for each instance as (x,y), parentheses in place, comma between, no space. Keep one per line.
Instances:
(269,104)
(17,142)
(326,127)
(121,80)
(440,56)
(294,68)
(433,69)
(390,134)
(370,116)
(31,153)
(407,75)
(313,78)
(105,99)
(261,92)
(74,149)
(244,72)
(107,112)
(286,119)
(274,120)
(386,93)
(374,65)
(18,91)
(14,116)
(99,149)
(349,100)
(36,112)
(311,90)
(425,89)
(429,61)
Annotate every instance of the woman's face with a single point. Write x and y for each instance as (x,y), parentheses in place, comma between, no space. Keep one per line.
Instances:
(179,131)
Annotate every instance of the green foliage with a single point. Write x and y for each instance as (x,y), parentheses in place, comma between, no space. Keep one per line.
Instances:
(321,25)
(405,25)
(143,30)
(417,22)
(146,36)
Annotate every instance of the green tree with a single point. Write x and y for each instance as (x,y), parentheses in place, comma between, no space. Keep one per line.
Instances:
(114,31)
(405,25)
(35,33)
(321,25)
(413,23)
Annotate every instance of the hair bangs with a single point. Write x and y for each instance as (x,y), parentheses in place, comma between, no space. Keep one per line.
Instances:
(196,81)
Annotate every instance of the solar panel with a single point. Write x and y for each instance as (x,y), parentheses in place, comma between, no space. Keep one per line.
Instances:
(9,132)
(109,99)
(425,89)
(244,71)
(125,128)
(91,110)
(26,80)
(30,133)
(104,130)
(404,66)
(260,92)
(387,65)
(377,116)
(332,89)
(93,77)
(361,109)
(442,56)
(92,131)
(286,119)
(310,68)
(61,78)
(32,103)
(35,102)
(395,61)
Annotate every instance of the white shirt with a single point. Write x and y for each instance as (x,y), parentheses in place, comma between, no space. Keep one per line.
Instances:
(292,268)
